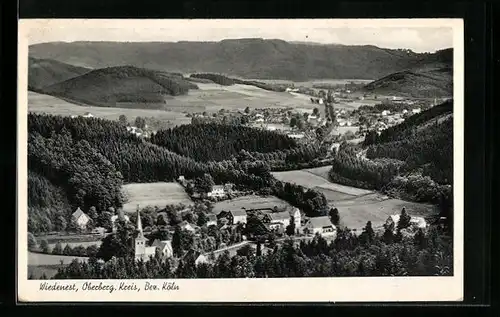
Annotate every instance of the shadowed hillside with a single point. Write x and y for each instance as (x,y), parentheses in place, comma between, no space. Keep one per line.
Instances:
(123,86)
(433,77)
(46,72)
(248,58)
(425,83)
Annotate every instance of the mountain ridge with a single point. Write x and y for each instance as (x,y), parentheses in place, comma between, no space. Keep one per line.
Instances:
(249,58)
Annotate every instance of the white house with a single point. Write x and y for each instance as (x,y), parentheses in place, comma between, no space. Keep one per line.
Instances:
(415,222)
(217,191)
(405,111)
(164,246)
(88,115)
(416,110)
(295,213)
(321,225)
(260,120)
(81,218)
(386,112)
(320,101)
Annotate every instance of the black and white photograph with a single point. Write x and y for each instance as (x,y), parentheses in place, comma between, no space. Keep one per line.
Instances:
(159,154)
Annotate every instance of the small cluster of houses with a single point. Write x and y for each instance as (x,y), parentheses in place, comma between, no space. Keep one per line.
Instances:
(86,115)
(143,133)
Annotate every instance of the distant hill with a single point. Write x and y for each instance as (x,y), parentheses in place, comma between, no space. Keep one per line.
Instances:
(431,79)
(247,58)
(426,83)
(122,86)
(46,72)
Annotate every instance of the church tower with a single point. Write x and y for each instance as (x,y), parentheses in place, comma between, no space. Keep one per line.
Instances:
(140,240)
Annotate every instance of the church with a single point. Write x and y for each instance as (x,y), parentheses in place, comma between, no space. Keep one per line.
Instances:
(142,251)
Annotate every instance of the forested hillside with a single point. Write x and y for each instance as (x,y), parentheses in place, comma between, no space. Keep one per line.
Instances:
(46,72)
(122,86)
(412,160)
(82,162)
(217,142)
(247,58)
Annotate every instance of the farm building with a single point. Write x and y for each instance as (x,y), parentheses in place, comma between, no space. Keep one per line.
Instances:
(234,216)
(321,225)
(275,218)
(217,191)
(195,255)
(81,218)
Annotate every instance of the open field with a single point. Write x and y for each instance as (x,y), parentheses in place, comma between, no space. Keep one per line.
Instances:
(354,213)
(249,202)
(49,259)
(213,97)
(37,271)
(356,206)
(153,194)
(313,180)
(40,103)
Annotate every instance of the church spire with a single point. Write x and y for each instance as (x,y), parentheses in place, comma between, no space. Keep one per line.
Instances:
(139,224)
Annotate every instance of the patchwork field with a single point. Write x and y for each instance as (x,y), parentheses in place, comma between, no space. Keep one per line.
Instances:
(153,194)
(356,206)
(249,202)
(40,103)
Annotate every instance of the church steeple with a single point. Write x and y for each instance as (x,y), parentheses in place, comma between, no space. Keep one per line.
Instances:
(139,225)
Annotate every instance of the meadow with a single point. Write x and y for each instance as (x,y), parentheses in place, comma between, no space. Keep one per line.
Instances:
(356,206)
(49,259)
(40,103)
(154,194)
(249,202)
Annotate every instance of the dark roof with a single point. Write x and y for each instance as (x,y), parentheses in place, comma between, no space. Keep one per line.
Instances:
(279,215)
(320,222)
(238,212)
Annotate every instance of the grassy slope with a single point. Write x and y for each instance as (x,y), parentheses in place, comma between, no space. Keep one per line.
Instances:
(124,86)
(46,72)
(249,58)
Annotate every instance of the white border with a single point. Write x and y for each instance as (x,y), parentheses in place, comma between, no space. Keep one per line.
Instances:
(350,289)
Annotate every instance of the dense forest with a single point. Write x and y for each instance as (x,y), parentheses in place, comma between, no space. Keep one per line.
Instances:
(412,160)
(369,254)
(216,142)
(82,162)
(107,87)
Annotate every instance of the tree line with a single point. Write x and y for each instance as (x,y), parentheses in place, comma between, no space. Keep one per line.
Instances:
(369,254)
(216,142)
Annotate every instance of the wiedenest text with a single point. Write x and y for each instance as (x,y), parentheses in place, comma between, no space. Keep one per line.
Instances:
(110,287)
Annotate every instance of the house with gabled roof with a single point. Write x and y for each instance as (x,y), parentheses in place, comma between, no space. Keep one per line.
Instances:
(234,216)
(275,218)
(81,218)
(321,225)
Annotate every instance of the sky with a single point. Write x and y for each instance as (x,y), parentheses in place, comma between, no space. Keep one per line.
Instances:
(426,37)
